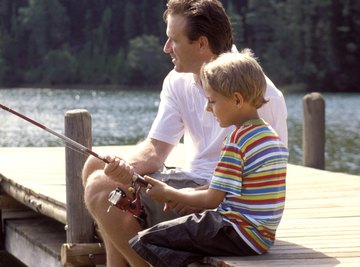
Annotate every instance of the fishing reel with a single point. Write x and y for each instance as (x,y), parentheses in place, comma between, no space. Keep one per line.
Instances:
(121,200)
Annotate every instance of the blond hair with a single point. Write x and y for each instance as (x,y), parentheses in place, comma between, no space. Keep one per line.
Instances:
(236,72)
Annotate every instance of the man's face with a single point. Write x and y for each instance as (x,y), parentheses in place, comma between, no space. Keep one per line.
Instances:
(185,54)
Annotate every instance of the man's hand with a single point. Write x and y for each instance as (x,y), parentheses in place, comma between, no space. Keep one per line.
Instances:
(118,170)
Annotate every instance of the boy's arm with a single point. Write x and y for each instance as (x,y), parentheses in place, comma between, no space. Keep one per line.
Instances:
(202,199)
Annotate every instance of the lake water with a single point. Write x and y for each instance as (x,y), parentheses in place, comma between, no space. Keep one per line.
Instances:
(125,117)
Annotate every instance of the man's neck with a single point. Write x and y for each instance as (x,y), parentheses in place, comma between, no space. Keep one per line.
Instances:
(197,79)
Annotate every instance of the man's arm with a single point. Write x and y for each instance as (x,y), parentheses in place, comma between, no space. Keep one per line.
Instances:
(149,156)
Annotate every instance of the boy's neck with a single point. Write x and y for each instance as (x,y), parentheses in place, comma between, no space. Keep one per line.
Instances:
(249,115)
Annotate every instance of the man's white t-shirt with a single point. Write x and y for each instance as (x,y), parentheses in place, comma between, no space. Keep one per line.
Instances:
(182,112)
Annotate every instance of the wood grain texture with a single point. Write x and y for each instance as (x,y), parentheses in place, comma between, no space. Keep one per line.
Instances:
(320,226)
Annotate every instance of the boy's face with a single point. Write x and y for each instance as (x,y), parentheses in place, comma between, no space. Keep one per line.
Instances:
(224,108)
(185,54)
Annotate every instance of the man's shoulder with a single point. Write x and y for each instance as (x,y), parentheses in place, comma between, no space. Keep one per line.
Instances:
(175,77)
(271,90)
(178,84)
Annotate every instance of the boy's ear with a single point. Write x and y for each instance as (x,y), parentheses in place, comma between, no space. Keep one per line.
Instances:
(239,99)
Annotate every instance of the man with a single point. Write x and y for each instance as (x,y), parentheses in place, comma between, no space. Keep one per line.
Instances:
(245,199)
(198,31)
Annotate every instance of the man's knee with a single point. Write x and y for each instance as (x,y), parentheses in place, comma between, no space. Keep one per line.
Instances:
(97,189)
(91,165)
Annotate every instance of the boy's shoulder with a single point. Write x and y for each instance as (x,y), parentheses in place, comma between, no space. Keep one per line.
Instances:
(254,132)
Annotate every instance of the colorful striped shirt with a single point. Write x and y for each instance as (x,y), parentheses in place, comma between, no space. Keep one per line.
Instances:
(252,171)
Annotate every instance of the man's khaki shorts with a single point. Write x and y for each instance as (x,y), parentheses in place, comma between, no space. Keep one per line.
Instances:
(175,178)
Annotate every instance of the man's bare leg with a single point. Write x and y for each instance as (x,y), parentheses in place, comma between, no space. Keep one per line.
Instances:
(117,227)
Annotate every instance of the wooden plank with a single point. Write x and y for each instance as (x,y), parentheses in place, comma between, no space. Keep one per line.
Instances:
(8,202)
(7,260)
(36,241)
(320,226)
(34,201)
(260,262)
(83,254)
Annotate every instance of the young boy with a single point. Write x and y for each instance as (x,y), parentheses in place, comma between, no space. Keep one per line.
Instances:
(247,189)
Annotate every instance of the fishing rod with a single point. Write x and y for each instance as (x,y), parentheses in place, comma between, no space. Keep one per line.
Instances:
(62,137)
(117,197)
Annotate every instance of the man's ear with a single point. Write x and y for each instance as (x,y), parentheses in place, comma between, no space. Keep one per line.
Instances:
(238,99)
(203,42)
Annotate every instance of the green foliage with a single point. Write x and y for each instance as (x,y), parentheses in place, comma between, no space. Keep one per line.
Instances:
(59,67)
(93,59)
(147,64)
(119,72)
(237,25)
(44,22)
(310,42)
(3,64)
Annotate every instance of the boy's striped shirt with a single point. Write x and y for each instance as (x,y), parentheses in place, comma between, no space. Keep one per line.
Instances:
(252,172)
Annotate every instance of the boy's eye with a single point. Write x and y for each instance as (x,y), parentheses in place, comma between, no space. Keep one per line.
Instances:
(211,101)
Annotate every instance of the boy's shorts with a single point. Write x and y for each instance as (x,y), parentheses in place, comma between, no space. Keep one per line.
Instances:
(176,178)
(188,239)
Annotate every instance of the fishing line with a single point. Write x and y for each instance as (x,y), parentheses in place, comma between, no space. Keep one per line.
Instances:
(75,145)
(72,148)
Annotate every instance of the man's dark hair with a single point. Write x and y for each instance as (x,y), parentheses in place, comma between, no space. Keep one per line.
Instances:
(204,18)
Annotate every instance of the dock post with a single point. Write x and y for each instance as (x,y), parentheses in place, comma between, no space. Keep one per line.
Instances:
(80,225)
(314,131)
(2,239)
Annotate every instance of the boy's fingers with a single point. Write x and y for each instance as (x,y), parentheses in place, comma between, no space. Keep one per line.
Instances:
(149,179)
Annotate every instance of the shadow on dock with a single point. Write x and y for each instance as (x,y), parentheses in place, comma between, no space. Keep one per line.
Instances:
(7,260)
(280,255)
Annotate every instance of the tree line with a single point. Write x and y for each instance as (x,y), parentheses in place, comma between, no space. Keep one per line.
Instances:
(308,44)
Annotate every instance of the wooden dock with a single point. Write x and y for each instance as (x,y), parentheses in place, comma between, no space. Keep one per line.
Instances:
(320,227)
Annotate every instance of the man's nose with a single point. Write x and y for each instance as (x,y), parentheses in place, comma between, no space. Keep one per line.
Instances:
(167,47)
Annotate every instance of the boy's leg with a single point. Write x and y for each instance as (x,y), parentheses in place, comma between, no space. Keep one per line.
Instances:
(188,239)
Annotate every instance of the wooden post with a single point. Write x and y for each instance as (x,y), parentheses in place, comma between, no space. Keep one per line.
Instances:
(80,225)
(2,239)
(314,131)
(83,254)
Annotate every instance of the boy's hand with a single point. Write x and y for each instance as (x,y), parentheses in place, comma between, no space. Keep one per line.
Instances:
(180,208)
(159,190)
(162,192)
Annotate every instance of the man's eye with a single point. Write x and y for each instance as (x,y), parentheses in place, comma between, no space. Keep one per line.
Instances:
(211,102)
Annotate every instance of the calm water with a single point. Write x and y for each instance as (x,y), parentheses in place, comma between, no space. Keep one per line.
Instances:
(121,117)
